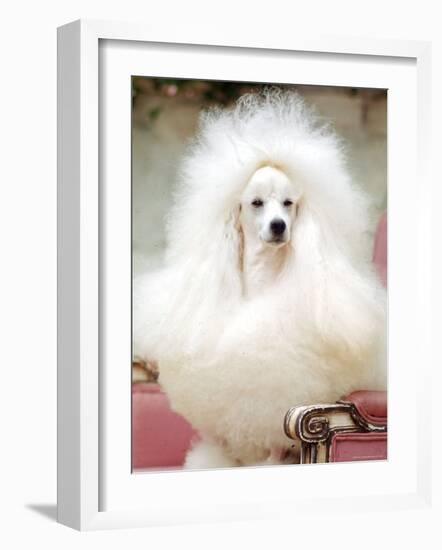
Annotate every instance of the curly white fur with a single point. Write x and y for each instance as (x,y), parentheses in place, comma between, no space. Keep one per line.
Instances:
(234,364)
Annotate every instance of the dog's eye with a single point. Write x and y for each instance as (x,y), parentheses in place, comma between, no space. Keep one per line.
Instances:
(287,202)
(257,203)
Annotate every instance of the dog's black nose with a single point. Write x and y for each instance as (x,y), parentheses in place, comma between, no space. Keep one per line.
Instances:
(277,227)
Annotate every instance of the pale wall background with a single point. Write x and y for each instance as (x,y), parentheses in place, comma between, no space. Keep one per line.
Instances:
(163,125)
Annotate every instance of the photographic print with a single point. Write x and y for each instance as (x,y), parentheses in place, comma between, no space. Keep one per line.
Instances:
(259,262)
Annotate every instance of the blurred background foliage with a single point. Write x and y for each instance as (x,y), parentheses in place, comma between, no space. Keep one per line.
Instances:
(214,92)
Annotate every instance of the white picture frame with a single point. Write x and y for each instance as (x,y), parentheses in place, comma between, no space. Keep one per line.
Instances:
(83,444)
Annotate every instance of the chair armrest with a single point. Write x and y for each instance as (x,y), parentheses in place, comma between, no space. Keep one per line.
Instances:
(370,405)
(315,427)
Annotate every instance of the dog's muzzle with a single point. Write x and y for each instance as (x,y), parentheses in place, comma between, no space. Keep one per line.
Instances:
(277,233)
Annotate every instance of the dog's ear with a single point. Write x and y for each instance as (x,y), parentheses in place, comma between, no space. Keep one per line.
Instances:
(237,217)
(231,252)
(239,229)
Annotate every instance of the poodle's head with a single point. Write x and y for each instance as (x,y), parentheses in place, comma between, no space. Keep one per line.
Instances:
(268,207)
(269,170)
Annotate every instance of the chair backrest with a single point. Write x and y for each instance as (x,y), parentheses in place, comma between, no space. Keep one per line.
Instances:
(380,251)
(160,437)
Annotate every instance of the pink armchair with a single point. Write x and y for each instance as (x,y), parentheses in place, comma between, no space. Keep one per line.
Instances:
(354,428)
(160,437)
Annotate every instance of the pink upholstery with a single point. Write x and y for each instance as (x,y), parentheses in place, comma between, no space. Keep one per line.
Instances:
(352,447)
(380,252)
(371,405)
(160,437)
(345,447)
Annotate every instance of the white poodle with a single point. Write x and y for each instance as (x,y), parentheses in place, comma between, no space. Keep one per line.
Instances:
(267,298)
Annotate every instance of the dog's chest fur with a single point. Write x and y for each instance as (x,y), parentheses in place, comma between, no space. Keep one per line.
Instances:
(262,267)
